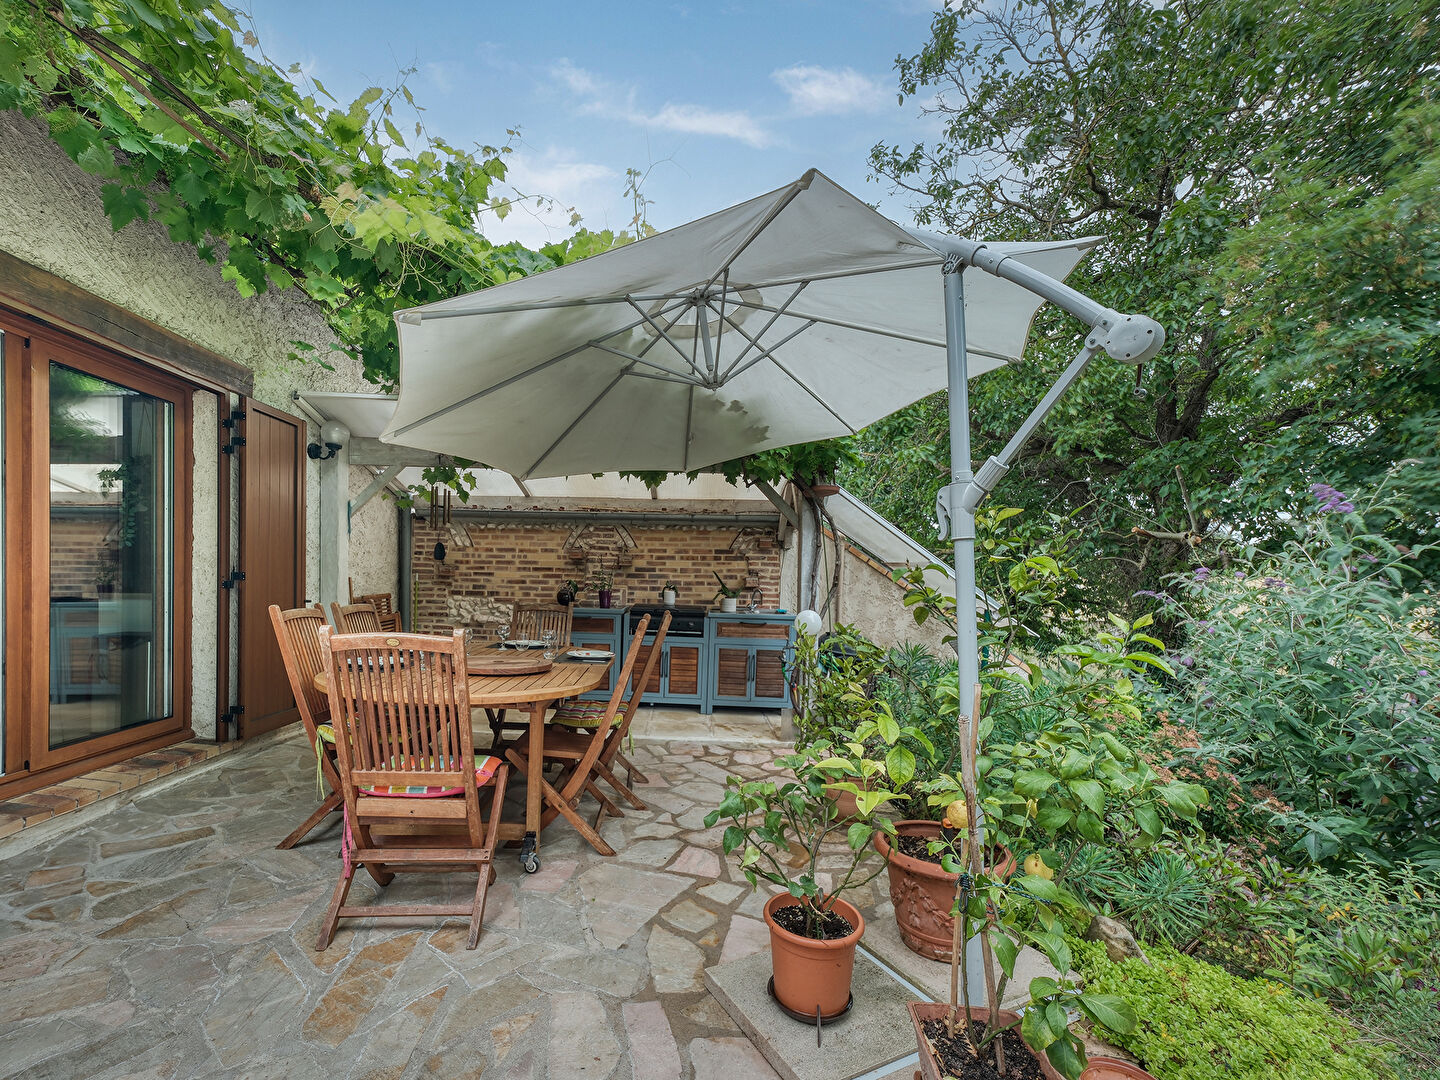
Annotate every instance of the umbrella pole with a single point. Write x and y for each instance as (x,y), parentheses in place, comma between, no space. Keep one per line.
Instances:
(961,517)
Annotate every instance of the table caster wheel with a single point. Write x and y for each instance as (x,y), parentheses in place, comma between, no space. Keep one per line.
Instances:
(529,862)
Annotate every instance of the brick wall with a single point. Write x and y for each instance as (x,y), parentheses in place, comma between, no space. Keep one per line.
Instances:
(505,564)
(76,546)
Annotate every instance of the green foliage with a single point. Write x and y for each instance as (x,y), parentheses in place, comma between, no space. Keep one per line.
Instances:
(1159,894)
(1199,1022)
(1406,1022)
(777,829)
(1313,676)
(1265,177)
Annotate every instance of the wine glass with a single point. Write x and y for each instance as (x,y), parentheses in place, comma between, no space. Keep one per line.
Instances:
(547,638)
(504,631)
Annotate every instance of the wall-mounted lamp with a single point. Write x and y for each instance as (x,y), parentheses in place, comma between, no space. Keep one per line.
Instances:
(439,551)
(332,434)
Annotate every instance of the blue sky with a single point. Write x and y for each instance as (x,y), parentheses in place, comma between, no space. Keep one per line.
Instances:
(718,101)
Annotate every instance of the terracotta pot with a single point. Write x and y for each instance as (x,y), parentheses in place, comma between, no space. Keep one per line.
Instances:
(845,800)
(920,1011)
(1108,1068)
(810,972)
(923,893)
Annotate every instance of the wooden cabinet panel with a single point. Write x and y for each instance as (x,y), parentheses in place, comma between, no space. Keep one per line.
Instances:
(770,675)
(682,670)
(753,630)
(592,624)
(732,673)
(641,655)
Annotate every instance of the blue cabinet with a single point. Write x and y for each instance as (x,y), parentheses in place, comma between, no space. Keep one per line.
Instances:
(599,628)
(746,655)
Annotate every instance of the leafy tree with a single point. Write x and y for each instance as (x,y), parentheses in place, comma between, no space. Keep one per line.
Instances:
(1265,179)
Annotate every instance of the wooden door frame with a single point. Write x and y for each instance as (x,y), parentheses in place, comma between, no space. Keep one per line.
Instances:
(245,727)
(29,759)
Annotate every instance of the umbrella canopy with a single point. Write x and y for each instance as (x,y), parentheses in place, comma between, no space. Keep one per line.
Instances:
(799,315)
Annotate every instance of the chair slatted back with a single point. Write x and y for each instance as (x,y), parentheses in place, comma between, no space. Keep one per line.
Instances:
(617,699)
(356,619)
(382,602)
(531,620)
(297,632)
(618,733)
(403,702)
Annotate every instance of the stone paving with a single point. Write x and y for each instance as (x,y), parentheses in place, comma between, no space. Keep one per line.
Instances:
(170,939)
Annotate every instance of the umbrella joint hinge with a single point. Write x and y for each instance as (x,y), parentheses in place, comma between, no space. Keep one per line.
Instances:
(953,264)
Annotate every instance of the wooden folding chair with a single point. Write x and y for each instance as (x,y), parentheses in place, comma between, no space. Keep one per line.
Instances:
(571,747)
(401,706)
(529,621)
(574,779)
(532,620)
(356,619)
(297,632)
(384,605)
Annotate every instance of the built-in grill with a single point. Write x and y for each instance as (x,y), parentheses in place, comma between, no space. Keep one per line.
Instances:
(684,621)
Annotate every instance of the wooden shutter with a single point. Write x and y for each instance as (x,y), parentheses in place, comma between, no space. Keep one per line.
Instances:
(272,557)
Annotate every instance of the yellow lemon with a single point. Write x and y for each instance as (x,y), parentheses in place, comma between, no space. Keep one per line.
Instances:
(957,815)
(1035,867)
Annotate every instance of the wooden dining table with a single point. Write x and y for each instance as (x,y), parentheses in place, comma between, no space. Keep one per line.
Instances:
(535,694)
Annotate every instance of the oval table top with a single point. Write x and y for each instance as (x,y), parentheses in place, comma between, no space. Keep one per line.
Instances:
(567,678)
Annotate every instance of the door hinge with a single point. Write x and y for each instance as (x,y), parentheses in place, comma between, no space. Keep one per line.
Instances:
(236,415)
(235,441)
(235,576)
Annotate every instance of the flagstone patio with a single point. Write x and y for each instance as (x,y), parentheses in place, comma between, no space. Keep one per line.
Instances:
(170,939)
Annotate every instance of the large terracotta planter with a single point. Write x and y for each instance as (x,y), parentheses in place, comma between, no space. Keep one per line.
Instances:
(809,972)
(920,1011)
(923,893)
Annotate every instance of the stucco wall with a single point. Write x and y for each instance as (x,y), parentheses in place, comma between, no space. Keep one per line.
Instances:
(51,217)
(374,536)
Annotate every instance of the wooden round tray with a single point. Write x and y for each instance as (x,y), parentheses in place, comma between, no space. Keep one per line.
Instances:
(507,663)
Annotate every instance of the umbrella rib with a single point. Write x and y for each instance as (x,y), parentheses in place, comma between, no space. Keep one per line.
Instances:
(534,305)
(664,332)
(575,423)
(535,370)
(834,275)
(765,353)
(818,399)
(678,376)
(866,329)
(760,226)
(689,418)
(755,341)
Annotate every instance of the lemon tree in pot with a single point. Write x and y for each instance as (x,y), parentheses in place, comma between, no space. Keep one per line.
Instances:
(778,831)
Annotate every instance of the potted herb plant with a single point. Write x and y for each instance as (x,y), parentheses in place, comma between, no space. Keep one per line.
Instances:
(727,596)
(603,581)
(569,592)
(668,593)
(813,931)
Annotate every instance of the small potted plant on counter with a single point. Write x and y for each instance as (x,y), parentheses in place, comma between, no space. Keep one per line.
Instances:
(668,592)
(603,581)
(813,932)
(727,596)
(569,592)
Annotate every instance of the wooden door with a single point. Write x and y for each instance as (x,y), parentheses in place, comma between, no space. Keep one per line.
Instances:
(768,678)
(272,558)
(642,655)
(731,682)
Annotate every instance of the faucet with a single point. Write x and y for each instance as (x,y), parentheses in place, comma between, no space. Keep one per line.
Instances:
(757,595)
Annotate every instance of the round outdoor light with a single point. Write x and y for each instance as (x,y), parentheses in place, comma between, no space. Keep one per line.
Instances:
(808,622)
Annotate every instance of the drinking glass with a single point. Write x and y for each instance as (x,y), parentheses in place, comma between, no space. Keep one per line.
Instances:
(547,637)
(504,632)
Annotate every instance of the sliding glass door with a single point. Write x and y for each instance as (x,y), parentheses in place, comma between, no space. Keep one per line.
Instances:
(98,527)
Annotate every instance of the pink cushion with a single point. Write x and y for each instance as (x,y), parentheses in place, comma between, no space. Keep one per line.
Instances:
(485,769)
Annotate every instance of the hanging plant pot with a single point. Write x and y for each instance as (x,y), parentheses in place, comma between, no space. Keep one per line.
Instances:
(824,490)
(811,973)
(923,1011)
(923,893)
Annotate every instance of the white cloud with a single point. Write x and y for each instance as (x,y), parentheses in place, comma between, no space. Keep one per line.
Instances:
(565,185)
(816,91)
(601,98)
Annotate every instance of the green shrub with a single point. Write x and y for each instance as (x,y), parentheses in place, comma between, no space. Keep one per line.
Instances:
(1409,1022)
(1199,1022)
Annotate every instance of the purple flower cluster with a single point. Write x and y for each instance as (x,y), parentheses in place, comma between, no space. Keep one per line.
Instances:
(1274,583)
(1331,501)
(1202,573)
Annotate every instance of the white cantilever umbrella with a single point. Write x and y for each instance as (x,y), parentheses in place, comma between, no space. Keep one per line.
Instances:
(799,315)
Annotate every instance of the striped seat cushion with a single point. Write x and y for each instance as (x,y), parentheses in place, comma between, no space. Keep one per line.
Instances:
(326,733)
(582,714)
(485,769)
